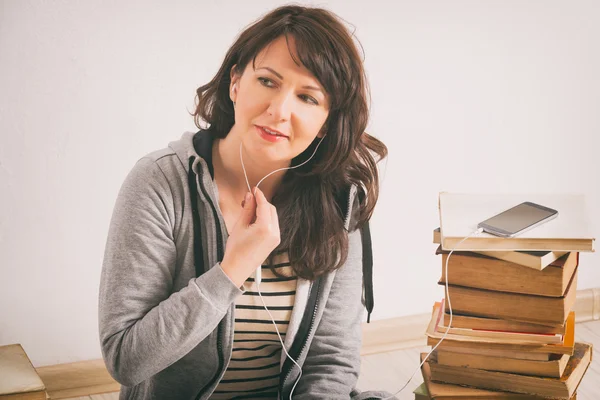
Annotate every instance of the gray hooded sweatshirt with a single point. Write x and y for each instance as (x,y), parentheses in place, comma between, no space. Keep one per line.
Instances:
(166,308)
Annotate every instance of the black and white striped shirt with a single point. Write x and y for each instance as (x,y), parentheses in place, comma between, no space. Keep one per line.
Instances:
(253,372)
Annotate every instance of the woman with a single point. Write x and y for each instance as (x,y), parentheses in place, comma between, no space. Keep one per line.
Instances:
(183,312)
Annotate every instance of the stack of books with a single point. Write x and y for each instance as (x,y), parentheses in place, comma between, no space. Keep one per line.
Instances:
(512,330)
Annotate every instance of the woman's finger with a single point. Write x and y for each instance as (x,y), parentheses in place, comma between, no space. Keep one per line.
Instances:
(263,214)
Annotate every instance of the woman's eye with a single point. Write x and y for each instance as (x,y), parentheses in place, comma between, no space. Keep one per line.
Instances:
(270,84)
(309,99)
(266,82)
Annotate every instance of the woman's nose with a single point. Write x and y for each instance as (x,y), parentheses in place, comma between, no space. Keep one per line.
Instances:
(280,107)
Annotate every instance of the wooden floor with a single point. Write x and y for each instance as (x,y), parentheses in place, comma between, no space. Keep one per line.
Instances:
(390,371)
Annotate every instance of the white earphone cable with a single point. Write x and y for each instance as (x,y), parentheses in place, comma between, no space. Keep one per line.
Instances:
(258,273)
(277,170)
(474,233)
(258,277)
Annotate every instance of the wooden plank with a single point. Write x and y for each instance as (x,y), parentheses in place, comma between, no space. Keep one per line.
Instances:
(105,396)
(81,378)
(384,371)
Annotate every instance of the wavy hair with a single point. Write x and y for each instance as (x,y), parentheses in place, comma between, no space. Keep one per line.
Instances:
(311,221)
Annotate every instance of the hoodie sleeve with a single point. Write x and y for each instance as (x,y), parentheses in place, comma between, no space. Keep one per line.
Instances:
(144,327)
(332,364)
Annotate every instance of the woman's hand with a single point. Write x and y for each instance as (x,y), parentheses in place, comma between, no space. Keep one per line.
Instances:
(254,236)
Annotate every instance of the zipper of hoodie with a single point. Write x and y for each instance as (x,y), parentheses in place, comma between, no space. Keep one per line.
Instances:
(349,211)
(310,329)
(220,252)
(314,315)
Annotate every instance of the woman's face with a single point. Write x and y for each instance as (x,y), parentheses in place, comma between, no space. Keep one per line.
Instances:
(278,96)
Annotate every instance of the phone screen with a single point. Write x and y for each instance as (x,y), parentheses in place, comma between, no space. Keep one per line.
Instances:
(519,217)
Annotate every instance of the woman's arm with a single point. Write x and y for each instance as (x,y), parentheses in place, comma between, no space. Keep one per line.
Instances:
(144,327)
(332,365)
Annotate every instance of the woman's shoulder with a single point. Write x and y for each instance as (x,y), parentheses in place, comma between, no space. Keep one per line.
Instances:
(172,160)
(164,169)
(177,152)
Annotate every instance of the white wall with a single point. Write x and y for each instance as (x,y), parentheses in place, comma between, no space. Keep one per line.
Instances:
(468,95)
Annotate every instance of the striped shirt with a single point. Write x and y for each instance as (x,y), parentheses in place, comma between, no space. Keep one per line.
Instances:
(253,372)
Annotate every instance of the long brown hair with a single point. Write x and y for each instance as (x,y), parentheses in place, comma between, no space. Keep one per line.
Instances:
(310,219)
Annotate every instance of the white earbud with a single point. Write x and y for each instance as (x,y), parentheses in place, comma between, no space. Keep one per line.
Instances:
(233,88)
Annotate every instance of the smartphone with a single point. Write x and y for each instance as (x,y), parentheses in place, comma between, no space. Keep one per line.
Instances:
(518,219)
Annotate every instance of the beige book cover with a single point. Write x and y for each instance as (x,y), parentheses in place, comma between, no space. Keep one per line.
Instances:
(537,260)
(460,213)
(17,374)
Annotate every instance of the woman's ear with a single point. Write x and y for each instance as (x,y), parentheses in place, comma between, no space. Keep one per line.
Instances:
(233,86)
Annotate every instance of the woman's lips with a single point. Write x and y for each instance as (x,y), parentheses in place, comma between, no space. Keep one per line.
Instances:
(269,137)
